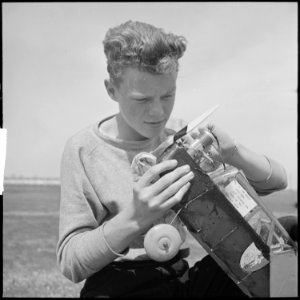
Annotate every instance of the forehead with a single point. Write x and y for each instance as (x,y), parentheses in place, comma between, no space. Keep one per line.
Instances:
(134,80)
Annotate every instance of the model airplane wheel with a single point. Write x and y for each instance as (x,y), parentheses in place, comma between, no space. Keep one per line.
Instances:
(162,242)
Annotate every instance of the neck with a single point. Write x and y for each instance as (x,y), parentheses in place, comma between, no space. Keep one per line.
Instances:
(125,132)
(116,127)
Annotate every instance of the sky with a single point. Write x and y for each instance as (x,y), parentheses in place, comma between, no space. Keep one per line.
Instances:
(240,55)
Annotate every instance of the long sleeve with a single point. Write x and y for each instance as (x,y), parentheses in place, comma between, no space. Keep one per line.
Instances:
(96,184)
(81,250)
(277,181)
(264,174)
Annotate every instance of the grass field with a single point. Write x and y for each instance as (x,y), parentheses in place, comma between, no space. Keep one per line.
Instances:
(30,234)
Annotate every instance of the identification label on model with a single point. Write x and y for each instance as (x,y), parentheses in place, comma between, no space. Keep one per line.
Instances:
(239,198)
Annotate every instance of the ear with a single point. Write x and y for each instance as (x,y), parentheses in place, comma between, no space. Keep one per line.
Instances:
(111,89)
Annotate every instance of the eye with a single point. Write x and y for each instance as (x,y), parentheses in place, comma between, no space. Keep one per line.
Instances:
(141,100)
(168,97)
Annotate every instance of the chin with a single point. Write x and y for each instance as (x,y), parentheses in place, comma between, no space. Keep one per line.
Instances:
(152,133)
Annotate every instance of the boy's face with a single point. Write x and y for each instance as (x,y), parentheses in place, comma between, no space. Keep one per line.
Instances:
(145,101)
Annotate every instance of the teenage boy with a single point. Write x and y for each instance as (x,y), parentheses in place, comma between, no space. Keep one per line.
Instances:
(104,213)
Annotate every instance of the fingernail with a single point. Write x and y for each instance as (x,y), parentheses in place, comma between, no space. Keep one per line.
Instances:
(186,167)
(191,174)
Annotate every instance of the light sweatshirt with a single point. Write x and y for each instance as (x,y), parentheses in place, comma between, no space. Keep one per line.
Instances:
(96,184)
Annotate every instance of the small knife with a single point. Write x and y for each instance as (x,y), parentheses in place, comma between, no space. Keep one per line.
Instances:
(182,132)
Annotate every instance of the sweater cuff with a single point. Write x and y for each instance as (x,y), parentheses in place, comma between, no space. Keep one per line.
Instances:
(276,180)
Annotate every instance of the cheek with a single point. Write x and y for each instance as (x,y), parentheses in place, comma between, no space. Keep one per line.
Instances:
(168,106)
(133,110)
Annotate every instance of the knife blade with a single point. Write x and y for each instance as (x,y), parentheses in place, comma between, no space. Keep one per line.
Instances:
(182,132)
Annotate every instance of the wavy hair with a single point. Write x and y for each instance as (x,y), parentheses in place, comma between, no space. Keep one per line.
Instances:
(141,45)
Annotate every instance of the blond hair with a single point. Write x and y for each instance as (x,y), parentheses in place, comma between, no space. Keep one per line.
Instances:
(141,45)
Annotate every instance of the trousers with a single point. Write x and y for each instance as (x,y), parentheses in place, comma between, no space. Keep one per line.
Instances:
(156,280)
(174,278)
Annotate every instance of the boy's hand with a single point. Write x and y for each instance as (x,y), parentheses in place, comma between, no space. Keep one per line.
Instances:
(152,200)
(227,144)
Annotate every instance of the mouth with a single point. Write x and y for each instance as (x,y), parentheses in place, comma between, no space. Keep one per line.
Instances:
(155,123)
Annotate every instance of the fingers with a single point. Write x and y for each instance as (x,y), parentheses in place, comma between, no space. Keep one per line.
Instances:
(225,142)
(211,127)
(173,188)
(154,172)
(170,183)
(176,198)
(215,132)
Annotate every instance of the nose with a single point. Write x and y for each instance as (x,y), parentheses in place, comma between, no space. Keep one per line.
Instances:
(155,108)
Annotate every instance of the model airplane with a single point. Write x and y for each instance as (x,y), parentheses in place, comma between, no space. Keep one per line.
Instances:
(227,217)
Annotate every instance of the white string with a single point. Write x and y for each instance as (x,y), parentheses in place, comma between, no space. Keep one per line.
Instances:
(176,215)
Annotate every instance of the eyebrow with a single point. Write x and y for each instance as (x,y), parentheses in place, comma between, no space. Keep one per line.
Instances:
(139,95)
(170,92)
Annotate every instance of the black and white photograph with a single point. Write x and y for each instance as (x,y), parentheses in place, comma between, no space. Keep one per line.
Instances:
(149,149)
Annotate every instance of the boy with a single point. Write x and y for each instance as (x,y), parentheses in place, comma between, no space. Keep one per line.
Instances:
(104,213)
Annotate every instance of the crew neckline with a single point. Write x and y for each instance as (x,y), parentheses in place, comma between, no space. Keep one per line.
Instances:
(120,143)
